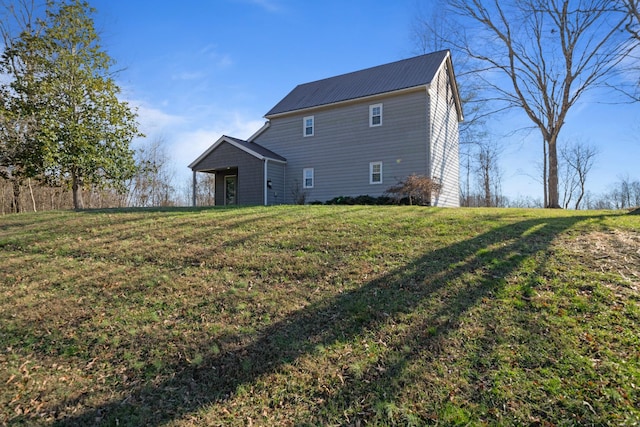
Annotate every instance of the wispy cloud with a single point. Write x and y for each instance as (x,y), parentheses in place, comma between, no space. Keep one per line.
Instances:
(220,60)
(154,120)
(268,5)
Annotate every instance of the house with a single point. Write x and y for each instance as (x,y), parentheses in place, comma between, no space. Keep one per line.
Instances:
(350,135)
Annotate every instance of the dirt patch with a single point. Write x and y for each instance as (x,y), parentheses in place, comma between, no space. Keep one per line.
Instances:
(616,252)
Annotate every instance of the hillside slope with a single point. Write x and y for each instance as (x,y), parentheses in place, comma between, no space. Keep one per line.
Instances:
(320,315)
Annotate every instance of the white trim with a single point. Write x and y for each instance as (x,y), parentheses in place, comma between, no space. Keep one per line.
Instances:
(304,126)
(371,166)
(448,64)
(259,132)
(371,116)
(304,178)
(226,139)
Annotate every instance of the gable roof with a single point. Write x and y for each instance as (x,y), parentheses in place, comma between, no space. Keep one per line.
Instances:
(404,74)
(252,148)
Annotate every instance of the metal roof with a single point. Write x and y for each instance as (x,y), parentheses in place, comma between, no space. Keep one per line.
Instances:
(258,149)
(404,74)
(251,148)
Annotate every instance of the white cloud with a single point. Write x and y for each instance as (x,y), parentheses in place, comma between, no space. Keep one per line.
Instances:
(187,145)
(153,120)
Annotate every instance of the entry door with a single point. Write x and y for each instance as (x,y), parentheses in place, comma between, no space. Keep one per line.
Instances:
(230,184)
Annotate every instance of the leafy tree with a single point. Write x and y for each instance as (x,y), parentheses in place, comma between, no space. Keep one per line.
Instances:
(22,154)
(92,128)
(65,111)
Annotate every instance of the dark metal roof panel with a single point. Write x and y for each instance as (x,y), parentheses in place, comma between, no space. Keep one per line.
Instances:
(408,73)
(259,149)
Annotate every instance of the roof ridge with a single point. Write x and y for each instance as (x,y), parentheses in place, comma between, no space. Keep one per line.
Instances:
(402,74)
(375,67)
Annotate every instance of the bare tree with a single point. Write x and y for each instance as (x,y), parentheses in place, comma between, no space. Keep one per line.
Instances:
(488,173)
(541,56)
(418,189)
(578,159)
(633,25)
(625,193)
(152,183)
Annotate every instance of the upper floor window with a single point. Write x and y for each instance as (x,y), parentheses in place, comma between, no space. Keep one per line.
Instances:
(308,126)
(307,178)
(375,115)
(375,173)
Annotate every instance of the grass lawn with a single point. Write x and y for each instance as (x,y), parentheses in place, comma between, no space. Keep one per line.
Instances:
(320,315)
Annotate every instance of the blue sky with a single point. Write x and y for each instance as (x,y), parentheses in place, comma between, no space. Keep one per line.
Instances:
(198,69)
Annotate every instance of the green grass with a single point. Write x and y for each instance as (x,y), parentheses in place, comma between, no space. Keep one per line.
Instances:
(320,315)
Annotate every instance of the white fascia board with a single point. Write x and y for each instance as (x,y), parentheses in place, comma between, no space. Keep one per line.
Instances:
(259,131)
(207,151)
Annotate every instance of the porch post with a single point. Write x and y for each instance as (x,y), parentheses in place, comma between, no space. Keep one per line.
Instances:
(195,184)
(266,189)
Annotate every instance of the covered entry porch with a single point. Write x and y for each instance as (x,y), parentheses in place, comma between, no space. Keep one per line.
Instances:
(245,173)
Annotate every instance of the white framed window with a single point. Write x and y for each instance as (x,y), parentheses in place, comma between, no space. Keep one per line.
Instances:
(375,115)
(307,178)
(375,173)
(308,126)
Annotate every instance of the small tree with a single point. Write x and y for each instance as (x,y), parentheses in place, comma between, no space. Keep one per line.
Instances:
(418,189)
(578,160)
(151,185)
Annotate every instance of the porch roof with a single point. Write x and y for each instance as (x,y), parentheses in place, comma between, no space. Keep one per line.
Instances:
(251,148)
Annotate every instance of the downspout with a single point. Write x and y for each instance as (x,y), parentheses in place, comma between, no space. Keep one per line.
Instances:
(266,189)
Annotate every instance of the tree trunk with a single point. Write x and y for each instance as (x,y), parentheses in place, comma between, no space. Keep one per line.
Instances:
(545,183)
(33,200)
(76,187)
(554,195)
(16,196)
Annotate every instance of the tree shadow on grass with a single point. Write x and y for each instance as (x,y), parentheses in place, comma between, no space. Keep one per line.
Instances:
(436,279)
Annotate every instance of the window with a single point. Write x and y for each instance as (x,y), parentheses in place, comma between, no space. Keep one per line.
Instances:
(375,173)
(307,178)
(375,115)
(307,123)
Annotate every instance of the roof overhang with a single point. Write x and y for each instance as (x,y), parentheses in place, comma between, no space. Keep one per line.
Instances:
(454,86)
(229,140)
(350,101)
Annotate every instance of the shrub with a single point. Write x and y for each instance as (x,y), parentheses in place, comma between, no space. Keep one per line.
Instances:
(418,189)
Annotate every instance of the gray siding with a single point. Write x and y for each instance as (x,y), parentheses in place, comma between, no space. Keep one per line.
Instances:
(443,132)
(250,173)
(343,145)
(276,172)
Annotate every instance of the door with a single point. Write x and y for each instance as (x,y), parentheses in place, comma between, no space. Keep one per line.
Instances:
(230,184)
